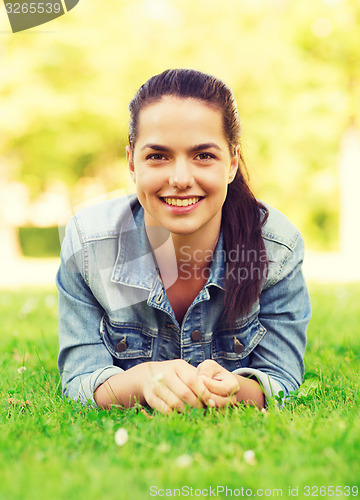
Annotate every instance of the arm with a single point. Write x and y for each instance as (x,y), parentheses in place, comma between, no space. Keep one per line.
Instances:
(84,362)
(250,392)
(285,311)
(164,385)
(276,363)
(229,388)
(87,367)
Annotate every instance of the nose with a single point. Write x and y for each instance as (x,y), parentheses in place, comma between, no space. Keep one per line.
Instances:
(181,175)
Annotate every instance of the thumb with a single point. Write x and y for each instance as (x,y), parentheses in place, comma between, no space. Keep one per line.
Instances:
(217,387)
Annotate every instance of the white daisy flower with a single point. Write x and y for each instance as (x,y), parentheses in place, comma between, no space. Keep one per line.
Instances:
(184,461)
(249,457)
(121,436)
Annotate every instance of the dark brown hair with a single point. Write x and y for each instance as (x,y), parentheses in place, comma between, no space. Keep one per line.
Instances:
(242,215)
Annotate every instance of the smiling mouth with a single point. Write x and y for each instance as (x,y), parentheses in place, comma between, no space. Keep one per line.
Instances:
(182,202)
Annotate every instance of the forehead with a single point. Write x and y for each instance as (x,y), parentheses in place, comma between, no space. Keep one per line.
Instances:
(173,115)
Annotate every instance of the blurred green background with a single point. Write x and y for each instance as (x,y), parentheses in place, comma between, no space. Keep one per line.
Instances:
(65,87)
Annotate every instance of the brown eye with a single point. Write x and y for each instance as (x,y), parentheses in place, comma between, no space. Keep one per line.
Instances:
(204,156)
(156,157)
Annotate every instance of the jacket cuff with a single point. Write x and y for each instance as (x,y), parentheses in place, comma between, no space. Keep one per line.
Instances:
(89,384)
(269,385)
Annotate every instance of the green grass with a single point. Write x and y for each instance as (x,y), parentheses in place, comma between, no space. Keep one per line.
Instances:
(53,449)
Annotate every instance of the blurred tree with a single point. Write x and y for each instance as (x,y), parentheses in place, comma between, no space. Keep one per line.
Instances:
(293,67)
(9,242)
(331,42)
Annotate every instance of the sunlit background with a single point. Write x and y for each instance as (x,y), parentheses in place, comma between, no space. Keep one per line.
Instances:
(65,87)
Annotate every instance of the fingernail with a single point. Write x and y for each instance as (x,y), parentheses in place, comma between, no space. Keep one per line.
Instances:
(211,403)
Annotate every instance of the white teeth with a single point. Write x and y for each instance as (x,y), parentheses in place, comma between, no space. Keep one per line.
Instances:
(177,202)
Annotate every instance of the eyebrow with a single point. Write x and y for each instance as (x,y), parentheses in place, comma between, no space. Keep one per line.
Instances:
(197,147)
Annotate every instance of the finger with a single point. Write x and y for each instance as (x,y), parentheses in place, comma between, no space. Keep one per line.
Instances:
(171,399)
(164,400)
(209,367)
(161,406)
(157,403)
(186,393)
(158,394)
(221,402)
(188,386)
(197,386)
(221,387)
(169,386)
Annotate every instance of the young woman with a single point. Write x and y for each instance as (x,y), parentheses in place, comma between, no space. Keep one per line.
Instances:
(190,292)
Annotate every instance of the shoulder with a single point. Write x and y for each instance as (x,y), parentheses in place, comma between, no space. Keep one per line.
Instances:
(284,245)
(100,221)
(106,219)
(279,230)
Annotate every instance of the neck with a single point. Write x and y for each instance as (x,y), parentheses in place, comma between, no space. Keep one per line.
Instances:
(194,250)
(184,255)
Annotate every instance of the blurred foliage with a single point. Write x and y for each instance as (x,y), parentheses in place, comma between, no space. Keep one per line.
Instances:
(39,241)
(293,66)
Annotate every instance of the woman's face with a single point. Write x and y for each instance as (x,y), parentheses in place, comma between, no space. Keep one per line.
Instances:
(182,166)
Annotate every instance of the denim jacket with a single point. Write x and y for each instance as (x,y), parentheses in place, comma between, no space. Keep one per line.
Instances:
(114,312)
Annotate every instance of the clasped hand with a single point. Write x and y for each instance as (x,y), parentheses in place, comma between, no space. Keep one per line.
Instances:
(173,384)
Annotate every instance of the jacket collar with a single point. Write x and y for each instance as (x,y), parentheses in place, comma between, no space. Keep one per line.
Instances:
(136,265)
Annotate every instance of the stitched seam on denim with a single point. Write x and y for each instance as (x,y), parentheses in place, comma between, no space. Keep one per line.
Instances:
(190,343)
(261,332)
(282,264)
(276,239)
(131,354)
(99,237)
(84,256)
(129,325)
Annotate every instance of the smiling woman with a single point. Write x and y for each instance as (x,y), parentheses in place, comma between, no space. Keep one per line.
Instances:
(182,154)
(154,308)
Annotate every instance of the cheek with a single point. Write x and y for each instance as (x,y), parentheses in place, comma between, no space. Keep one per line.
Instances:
(215,182)
(148,182)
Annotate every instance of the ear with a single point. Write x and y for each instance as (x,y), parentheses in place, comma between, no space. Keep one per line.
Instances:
(130,161)
(234,166)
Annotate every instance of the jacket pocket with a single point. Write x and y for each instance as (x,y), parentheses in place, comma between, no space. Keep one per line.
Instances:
(230,348)
(128,343)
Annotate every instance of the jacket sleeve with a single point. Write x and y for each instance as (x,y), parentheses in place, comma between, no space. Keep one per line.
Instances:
(285,311)
(84,362)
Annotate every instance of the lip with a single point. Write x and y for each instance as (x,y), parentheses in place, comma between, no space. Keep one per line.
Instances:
(181,210)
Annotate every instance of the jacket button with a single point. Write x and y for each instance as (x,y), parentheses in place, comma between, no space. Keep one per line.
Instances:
(238,346)
(196,335)
(121,346)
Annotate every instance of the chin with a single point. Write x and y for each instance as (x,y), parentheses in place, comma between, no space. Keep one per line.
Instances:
(182,231)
